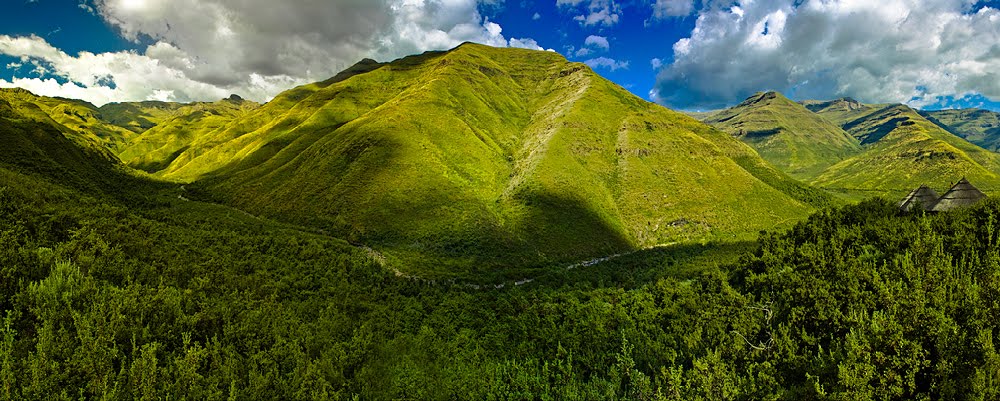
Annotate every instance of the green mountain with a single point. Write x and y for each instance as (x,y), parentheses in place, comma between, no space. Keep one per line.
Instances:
(78,116)
(840,111)
(139,116)
(981,127)
(903,150)
(36,144)
(486,155)
(786,134)
(177,127)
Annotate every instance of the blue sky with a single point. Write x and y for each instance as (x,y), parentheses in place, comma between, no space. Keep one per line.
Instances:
(708,53)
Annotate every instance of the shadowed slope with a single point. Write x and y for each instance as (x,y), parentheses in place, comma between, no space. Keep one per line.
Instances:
(33,143)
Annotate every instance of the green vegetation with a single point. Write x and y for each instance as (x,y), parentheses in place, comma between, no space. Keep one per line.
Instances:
(981,127)
(114,285)
(105,297)
(139,116)
(786,134)
(900,149)
(76,118)
(159,145)
(477,159)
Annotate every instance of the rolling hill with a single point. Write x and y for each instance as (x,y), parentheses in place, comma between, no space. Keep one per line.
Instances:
(786,134)
(481,157)
(981,127)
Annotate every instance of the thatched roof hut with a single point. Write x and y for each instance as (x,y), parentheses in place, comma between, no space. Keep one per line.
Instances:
(923,197)
(961,194)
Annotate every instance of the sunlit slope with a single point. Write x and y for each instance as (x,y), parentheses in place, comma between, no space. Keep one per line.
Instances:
(175,130)
(76,115)
(786,134)
(981,127)
(904,150)
(139,116)
(491,155)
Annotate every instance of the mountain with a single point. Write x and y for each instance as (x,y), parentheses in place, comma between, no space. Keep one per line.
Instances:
(902,151)
(786,134)
(139,116)
(176,128)
(78,116)
(840,111)
(34,143)
(487,157)
(981,127)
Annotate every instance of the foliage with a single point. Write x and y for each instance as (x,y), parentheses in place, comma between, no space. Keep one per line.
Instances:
(189,300)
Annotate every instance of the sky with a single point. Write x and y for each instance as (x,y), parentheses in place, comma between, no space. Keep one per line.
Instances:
(683,54)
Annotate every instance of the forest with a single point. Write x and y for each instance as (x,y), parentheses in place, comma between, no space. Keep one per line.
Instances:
(129,293)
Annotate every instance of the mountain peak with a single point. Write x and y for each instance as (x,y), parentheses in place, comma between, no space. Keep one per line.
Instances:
(761,98)
(235,98)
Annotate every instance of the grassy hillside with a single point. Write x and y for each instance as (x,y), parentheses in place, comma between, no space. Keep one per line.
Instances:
(981,127)
(77,116)
(139,116)
(904,150)
(786,134)
(175,130)
(35,144)
(483,156)
(840,111)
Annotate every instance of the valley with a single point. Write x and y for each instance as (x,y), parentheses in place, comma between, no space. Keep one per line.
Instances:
(487,223)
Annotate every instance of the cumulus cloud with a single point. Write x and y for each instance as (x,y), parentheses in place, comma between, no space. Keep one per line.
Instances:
(605,13)
(526,43)
(604,62)
(597,41)
(206,49)
(890,51)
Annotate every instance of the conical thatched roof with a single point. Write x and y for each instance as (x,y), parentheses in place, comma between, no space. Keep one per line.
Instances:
(923,197)
(961,194)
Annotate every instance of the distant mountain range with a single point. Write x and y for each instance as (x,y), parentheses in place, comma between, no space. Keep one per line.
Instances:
(864,149)
(481,157)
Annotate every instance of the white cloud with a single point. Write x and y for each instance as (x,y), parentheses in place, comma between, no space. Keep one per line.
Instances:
(525,43)
(672,8)
(597,41)
(536,17)
(583,52)
(594,12)
(887,51)
(656,63)
(206,49)
(604,62)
